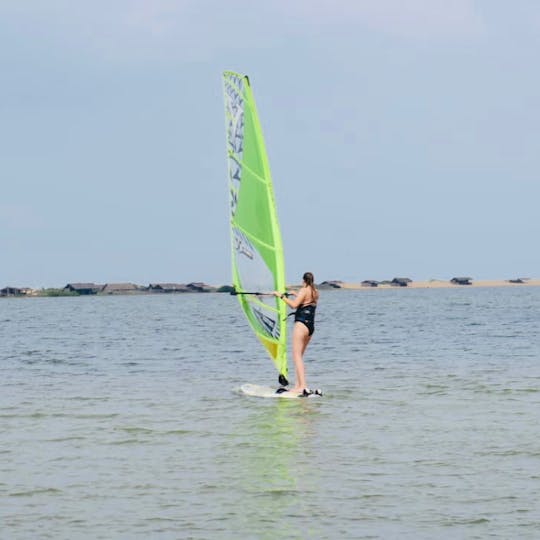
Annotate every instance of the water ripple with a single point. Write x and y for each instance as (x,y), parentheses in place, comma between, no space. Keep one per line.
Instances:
(428,426)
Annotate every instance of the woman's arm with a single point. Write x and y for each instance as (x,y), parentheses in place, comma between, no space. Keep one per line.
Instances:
(293,304)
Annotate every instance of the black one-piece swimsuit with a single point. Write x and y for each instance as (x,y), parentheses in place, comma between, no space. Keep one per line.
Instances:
(306,314)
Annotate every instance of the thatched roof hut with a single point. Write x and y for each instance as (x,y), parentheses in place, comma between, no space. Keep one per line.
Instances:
(517,280)
(333,284)
(119,288)
(83,288)
(200,287)
(11,291)
(461,280)
(168,288)
(400,281)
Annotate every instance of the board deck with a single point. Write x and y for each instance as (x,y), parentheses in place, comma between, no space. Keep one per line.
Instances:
(256,390)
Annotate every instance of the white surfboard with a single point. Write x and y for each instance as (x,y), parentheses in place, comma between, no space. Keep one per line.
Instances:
(256,390)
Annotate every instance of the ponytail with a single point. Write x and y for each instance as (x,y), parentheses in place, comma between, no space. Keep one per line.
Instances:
(309,281)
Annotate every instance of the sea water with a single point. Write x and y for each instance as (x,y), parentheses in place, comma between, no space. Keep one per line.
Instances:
(120,419)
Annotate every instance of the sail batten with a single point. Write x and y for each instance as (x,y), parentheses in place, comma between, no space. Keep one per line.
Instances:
(256,249)
(260,178)
(254,238)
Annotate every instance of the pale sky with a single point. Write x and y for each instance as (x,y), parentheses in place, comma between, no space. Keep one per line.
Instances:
(403,137)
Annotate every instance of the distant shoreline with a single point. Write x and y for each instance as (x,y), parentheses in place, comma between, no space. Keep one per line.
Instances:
(441,284)
(130,289)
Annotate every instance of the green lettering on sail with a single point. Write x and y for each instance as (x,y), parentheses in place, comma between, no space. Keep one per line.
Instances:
(257,253)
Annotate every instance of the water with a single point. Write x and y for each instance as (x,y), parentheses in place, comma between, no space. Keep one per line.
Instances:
(119,420)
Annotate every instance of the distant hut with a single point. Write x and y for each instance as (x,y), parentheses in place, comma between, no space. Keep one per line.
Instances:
(400,282)
(120,288)
(334,284)
(11,291)
(83,288)
(28,291)
(369,283)
(226,289)
(517,280)
(461,280)
(168,288)
(200,287)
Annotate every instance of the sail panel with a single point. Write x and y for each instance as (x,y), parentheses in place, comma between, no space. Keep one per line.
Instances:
(257,255)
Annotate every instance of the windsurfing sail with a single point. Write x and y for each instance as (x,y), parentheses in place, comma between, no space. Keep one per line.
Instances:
(257,253)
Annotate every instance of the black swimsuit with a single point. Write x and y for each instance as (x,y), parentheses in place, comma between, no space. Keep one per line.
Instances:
(306,314)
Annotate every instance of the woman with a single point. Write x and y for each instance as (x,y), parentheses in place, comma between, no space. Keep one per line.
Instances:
(305,303)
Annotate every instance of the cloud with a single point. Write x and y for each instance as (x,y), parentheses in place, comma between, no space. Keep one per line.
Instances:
(411,18)
(158,18)
(190,29)
(108,30)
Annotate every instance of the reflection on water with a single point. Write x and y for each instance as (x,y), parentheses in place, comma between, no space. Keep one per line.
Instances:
(272,454)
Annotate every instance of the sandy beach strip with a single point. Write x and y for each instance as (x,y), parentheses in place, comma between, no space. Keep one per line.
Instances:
(443,284)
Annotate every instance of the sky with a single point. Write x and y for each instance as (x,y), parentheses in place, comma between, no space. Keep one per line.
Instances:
(403,137)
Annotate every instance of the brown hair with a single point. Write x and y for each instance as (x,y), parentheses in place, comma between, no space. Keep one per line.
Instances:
(309,281)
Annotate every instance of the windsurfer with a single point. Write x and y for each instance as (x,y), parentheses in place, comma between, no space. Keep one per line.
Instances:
(304,303)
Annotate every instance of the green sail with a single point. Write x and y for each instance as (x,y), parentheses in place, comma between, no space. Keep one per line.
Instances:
(257,253)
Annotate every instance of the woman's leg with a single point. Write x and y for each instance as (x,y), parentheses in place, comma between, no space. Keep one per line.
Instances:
(305,344)
(300,339)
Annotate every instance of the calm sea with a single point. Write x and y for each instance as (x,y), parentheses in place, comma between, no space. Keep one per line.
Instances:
(119,419)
